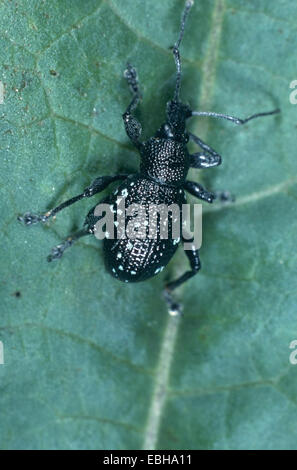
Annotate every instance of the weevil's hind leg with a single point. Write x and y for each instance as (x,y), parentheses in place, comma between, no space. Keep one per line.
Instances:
(89,228)
(58,250)
(193,256)
(132,125)
(173,307)
(98,185)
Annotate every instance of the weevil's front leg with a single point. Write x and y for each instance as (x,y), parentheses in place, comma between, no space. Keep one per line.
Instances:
(173,307)
(98,185)
(198,191)
(224,197)
(132,125)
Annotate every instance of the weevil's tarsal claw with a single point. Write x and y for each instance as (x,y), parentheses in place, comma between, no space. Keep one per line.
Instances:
(224,197)
(30,219)
(58,251)
(131,76)
(174,308)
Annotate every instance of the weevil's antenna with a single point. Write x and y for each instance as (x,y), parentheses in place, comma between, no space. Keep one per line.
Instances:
(188,5)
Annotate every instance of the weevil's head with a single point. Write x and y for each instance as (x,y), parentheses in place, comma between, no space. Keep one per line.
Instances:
(175,126)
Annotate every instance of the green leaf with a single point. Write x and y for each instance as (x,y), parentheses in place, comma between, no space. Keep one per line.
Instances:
(91,363)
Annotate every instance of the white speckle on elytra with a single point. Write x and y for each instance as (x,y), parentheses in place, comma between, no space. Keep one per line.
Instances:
(116,223)
(113,270)
(132,184)
(112,209)
(157,270)
(180,191)
(121,268)
(129,246)
(176,241)
(124,192)
(120,211)
(106,234)
(133,272)
(162,267)
(126,280)
(119,255)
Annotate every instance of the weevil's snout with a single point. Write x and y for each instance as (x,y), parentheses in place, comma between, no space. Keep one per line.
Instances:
(176,115)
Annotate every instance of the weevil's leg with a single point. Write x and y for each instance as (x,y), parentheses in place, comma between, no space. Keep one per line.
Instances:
(224,196)
(234,119)
(89,228)
(132,125)
(58,250)
(198,191)
(209,150)
(209,158)
(193,256)
(173,307)
(98,185)
(204,160)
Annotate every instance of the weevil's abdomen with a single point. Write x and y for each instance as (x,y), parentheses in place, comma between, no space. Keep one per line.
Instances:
(137,260)
(140,257)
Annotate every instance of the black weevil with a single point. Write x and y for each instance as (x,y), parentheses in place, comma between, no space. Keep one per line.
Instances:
(165,162)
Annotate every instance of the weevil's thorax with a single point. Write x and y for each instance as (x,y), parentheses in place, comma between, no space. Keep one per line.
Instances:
(165,161)
(165,157)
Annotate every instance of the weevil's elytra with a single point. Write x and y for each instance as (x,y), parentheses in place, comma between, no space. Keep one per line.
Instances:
(138,259)
(164,165)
